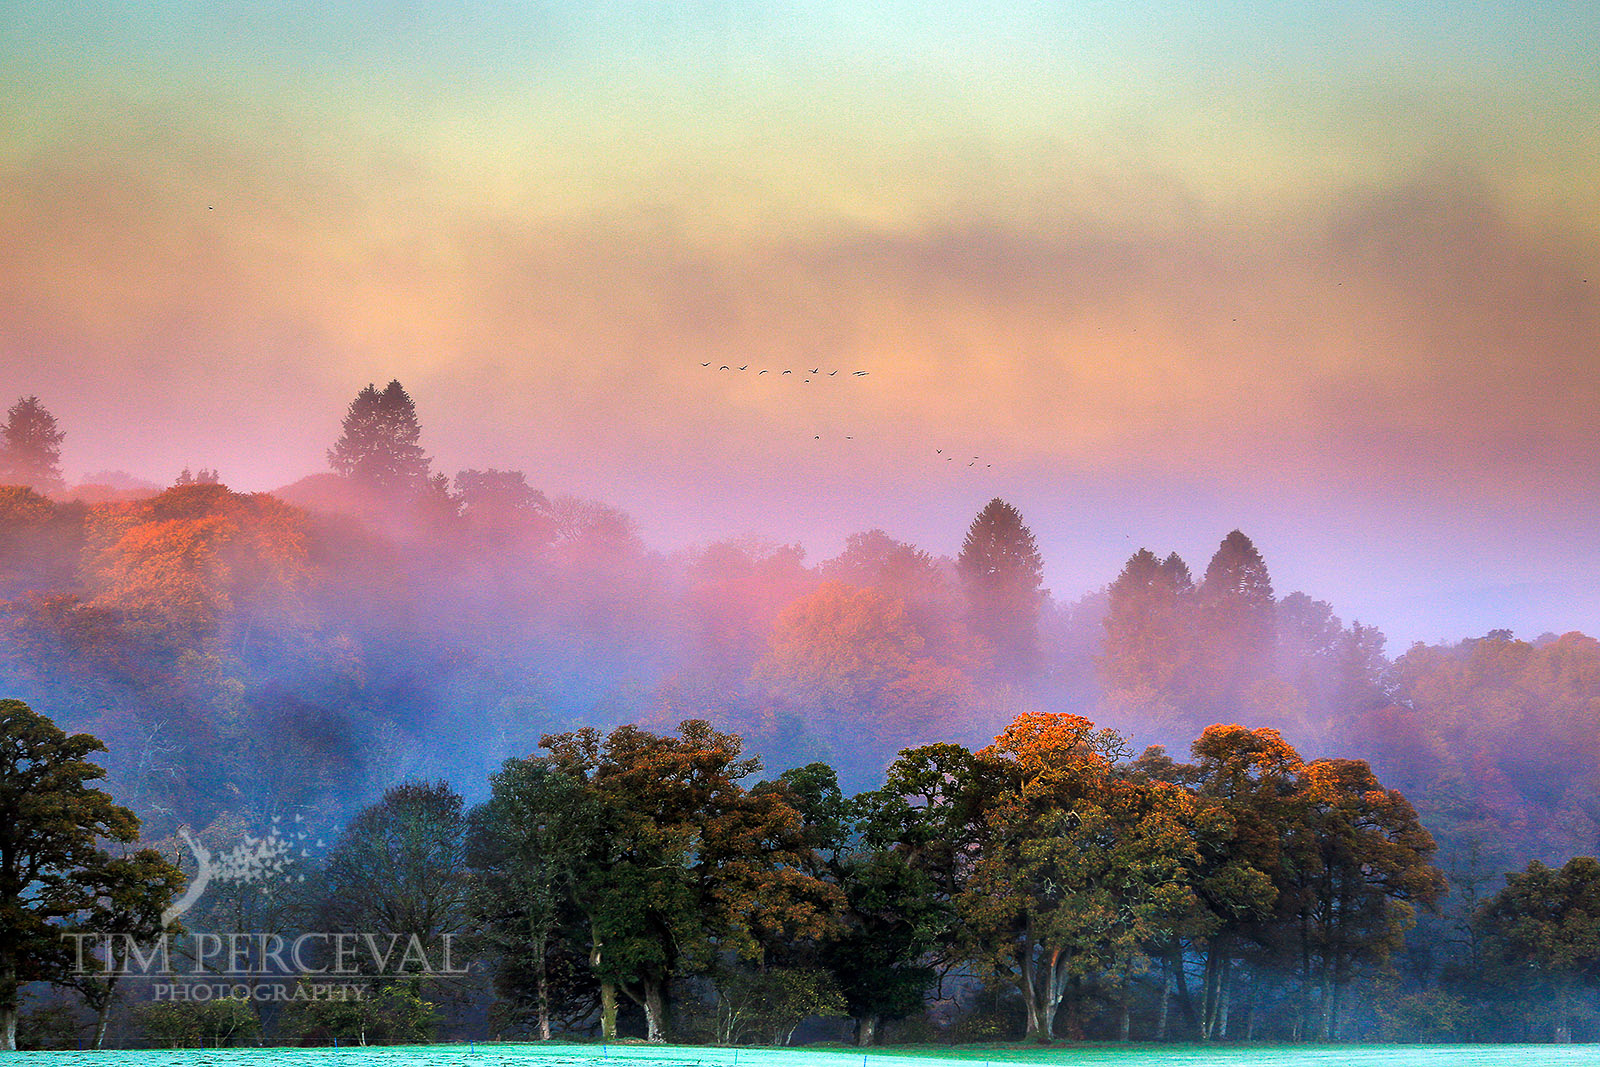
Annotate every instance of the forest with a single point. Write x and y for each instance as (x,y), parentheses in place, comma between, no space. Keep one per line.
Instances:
(730,794)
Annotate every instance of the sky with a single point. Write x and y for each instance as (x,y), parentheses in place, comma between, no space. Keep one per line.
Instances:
(1327,273)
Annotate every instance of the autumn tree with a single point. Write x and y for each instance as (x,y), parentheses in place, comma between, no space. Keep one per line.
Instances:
(684,865)
(848,656)
(379,446)
(1002,575)
(928,588)
(54,871)
(1250,778)
(1079,867)
(30,447)
(1358,863)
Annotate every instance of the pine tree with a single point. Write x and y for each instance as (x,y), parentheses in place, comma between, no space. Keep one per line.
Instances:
(1147,626)
(30,447)
(379,446)
(1003,577)
(1238,629)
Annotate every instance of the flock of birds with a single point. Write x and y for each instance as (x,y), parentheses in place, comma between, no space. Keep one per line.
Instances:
(817,372)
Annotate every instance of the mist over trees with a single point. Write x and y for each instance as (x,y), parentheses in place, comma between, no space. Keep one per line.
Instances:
(30,447)
(246,657)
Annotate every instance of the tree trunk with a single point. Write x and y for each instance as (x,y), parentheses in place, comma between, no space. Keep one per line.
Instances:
(866,1029)
(544,1004)
(1025,986)
(8,1005)
(1325,1022)
(1227,998)
(1185,1001)
(1166,1005)
(102,1019)
(655,1013)
(1049,997)
(608,993)
(608,1011)
(1124,1023)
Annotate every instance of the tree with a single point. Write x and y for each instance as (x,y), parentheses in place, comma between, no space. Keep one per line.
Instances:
(893,916)
(1236,621)
(30,447)
(1003,577)
(127,912)
(1356,863)
(399,868)
(527,847)
(1249,777)
(1148,626)
(502,510)
(379,447)
(1545,926)
(849,656)
(52,867)
(685,866)
(1079,867)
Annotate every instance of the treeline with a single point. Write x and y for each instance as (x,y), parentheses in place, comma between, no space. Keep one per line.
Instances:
(1046,887)
(257,656)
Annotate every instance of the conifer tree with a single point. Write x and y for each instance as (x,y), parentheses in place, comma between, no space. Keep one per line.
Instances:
(1003,576)
(379,445)
(1238,630)
(30,447)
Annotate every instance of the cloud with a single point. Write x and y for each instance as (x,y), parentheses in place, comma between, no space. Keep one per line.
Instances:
(221,297)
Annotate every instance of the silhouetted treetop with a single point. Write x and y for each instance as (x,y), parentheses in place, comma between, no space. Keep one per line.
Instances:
(30,447)
(379,447)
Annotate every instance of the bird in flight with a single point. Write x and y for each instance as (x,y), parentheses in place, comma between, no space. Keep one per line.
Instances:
(745,367)
(788,372)
(832,373)
(723,367)
(760,373)
(815,369)
(705,364)
(861,374)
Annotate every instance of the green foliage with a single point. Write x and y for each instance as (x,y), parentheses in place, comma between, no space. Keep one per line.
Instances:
(53,868)
(50,1027)
(772,1003)
(227,1022)
(394,1015)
